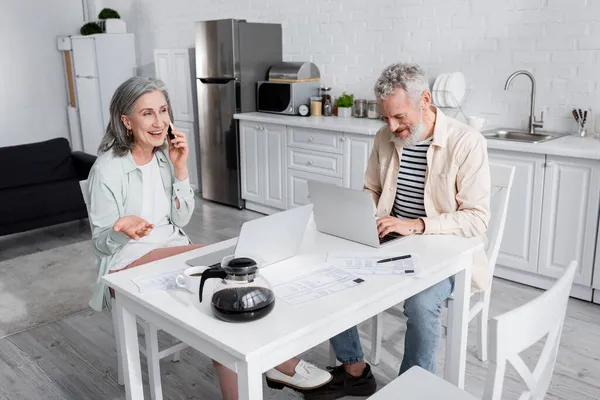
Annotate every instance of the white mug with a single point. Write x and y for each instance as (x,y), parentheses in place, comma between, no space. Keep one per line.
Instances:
(477,122)
(190,279)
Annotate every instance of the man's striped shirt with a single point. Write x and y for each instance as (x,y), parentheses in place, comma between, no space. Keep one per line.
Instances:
(410,189)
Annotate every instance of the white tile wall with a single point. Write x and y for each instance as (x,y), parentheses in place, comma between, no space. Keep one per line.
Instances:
(352,40)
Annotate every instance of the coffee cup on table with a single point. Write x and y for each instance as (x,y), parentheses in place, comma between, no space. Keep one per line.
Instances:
(477,122)
(190,279)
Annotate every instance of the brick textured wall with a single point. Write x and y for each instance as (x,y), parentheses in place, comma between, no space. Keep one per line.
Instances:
(352,40)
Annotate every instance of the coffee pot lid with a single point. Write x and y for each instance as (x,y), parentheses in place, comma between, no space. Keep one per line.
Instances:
(240,266)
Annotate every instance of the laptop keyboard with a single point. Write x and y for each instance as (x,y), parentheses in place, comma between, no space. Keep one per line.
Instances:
(388,237)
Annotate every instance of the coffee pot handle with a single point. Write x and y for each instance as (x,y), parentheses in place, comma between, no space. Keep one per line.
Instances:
(208,274)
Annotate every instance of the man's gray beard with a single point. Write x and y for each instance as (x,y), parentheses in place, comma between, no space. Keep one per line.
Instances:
(417,134)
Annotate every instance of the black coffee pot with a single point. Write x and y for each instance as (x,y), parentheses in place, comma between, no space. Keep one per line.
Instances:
(241,295)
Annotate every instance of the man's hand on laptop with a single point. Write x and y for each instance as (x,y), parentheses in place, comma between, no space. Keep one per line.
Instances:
(404,227)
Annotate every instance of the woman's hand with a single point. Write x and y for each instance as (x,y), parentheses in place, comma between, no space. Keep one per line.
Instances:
(133,226)
(178,153)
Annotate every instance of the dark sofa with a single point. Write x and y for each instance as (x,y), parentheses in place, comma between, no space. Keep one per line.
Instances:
(39,185)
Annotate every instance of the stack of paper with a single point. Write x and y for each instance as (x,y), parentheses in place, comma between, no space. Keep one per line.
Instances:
(375,263)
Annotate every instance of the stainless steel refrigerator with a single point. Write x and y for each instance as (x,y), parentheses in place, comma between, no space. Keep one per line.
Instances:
(231,56)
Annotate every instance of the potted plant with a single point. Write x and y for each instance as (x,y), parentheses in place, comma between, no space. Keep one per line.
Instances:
(344,105)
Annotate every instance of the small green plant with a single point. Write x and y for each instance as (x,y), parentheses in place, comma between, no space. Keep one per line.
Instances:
(345,100)
(108,13)
(90,28)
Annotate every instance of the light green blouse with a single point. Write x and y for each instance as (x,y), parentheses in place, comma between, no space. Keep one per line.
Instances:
(115,190)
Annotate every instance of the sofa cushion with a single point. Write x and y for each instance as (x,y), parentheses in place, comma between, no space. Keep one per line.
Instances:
(34,163)
(32,202)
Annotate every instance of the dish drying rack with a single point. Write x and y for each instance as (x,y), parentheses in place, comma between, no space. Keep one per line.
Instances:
(448,94)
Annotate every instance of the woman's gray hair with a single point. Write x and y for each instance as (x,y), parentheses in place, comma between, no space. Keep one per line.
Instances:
(123,103)
(409,77)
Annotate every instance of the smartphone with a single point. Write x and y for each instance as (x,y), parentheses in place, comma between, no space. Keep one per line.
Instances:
(170,132)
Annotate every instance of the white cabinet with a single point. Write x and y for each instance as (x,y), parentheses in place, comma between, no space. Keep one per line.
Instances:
(277,162)
(357,150)
(263,172)
(569,217)
(298,186)
(520,243)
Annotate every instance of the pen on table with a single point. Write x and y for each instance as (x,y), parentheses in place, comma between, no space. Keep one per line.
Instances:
(393,259)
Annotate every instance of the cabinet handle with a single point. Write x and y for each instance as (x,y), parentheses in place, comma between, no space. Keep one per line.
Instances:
(342,138)
(310,162)
(311,139)
(549,164)
(257,128)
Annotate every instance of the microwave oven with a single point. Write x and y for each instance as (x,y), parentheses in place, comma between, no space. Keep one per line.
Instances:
(284,97)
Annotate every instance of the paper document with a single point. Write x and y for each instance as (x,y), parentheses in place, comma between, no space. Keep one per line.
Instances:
(316,284)
(156,283)
(375,263)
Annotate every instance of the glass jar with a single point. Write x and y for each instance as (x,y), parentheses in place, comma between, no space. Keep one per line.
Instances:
(316,106)
(326,101)
(360,108)
(373,109)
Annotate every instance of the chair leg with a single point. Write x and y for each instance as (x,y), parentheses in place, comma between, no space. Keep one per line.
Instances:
(482,327)
(448,328)
(376,338)
(177,354)
(332,358)
(151,336)
(116,331)
(448,305)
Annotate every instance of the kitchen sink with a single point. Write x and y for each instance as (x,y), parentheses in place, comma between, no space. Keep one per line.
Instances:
(519,136)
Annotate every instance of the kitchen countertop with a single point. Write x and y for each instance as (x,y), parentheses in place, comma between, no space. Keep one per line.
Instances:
(566,146)
(361,126)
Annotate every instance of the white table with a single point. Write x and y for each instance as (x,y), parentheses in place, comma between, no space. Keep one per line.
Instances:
(253,348)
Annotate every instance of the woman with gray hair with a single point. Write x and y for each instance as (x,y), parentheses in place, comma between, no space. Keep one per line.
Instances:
(140,200)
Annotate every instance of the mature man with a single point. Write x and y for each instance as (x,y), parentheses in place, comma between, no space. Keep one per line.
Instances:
(428,174)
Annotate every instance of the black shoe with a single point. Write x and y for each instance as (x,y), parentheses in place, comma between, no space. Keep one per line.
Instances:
(344,384)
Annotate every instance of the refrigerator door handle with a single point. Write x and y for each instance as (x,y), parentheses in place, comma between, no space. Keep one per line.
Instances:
(221,80)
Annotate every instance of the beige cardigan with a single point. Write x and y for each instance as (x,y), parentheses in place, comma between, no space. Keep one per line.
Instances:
(457,184)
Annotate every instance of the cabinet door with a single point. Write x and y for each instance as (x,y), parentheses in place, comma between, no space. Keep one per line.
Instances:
(298,186)
(182,85)
(188,129)
(570,217)
(357,150)
(251,157)
(520,243)
(275,165)
(173,68)
(162,66)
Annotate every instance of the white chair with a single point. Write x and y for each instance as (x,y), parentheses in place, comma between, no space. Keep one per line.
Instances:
(510,334)
(501,182)
(150,348)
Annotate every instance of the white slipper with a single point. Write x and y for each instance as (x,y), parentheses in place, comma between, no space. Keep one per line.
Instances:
(307,377)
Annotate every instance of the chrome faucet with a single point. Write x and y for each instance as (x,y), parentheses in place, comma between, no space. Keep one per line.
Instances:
(533,122)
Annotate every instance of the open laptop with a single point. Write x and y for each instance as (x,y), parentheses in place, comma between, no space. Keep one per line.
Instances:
(270,239)
(347,213)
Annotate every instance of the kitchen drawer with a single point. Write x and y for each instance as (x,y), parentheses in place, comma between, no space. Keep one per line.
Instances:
(315,139)
(298,186)
(320,163)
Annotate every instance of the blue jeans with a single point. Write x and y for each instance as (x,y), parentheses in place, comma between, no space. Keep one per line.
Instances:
(422,330)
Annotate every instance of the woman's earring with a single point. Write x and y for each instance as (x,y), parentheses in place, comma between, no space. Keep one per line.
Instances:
(129,132)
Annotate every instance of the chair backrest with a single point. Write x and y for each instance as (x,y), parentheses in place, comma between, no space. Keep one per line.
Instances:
(502,177)
(517,330)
